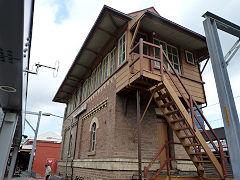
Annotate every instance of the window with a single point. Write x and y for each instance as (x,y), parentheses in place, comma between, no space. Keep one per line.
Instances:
(122,49)
(93,137)
(84,93)
(105,68)
(137,39)
(157,51)
(99,75)
(112,61)
(171,52)
(93,81)
(189,57)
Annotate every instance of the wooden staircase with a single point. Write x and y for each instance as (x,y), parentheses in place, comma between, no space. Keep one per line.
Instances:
(181,122)
(179,119)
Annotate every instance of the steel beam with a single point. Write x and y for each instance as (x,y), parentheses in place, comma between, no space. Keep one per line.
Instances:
(6,136)
(13,162)
(225,95)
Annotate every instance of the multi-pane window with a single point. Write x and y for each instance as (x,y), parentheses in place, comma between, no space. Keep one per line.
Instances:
(122,49)
(105,68)
(93,137)
(189,57)
(93,81)
(112,61)
(99,75)
(84,93)
(171,52)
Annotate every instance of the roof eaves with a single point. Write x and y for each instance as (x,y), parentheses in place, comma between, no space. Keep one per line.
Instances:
(104,9)
(195,34)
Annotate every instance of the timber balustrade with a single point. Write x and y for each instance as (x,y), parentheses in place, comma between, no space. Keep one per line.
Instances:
(184,93)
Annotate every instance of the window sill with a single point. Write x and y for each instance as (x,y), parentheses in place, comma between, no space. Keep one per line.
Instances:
(91,153)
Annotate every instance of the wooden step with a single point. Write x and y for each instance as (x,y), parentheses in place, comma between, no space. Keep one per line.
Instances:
(163,96)
(202,161)
(159,87)
(181,128)
(209,170)
(189,145)
(199,153)
(167,104)
(177,120)
(188,136)
(172,112)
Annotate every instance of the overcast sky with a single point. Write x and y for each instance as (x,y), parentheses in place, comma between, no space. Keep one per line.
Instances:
(61,26)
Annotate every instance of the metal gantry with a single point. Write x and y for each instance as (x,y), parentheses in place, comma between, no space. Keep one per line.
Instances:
(225,95)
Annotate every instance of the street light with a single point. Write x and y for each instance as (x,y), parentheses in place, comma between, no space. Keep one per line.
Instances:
(39,114)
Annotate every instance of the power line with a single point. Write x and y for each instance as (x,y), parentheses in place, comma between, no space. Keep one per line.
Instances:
(218,102)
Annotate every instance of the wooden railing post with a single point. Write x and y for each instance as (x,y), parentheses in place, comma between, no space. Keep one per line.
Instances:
(191,110)
(223,162)
(141,56)
(168,160)
(161,63)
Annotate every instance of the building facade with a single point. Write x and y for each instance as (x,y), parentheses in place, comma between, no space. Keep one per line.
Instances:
(119,57)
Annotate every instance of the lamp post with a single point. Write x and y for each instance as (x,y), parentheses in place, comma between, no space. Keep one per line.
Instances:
(39,114)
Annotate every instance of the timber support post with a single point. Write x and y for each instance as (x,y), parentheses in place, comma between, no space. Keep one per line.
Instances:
(139,136)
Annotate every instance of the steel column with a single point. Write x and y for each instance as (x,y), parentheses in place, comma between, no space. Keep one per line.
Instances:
(13,162)
(34,143)
(6,136)
(225,95)
(139,136)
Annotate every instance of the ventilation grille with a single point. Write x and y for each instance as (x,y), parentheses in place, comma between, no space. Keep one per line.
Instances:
(7,56)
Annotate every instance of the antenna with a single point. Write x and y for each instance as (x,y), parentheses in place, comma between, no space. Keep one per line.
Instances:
(38,65)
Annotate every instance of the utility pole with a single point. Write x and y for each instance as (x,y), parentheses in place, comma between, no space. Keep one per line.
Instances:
(225,95)
(34,143)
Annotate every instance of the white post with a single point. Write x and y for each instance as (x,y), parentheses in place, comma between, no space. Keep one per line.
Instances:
(34,144)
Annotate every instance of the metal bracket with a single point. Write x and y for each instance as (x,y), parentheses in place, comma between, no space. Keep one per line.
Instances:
(38,65)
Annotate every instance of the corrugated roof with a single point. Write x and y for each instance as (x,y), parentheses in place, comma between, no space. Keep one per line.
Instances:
(108,21)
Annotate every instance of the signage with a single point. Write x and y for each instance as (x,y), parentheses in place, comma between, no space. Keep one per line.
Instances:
(80,110)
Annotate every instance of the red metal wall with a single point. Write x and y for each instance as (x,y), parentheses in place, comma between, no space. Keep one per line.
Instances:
(46,151)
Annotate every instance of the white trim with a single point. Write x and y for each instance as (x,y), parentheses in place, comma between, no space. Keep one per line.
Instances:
(124,59)
(186,51)
(94,120)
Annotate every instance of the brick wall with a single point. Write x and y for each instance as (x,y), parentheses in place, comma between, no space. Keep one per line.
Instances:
(114,134)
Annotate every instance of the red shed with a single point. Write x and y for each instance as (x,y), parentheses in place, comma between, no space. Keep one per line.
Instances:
(47,151)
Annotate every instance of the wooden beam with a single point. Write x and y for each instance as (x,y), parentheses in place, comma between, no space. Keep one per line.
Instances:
(135,33)
(113,22)
(107,32)
(94,52)
(204,66)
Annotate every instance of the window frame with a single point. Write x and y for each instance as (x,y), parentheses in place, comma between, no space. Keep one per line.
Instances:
(186,51)
(120,54)
(105,63)
(93,137)
(112,58)
(167,53)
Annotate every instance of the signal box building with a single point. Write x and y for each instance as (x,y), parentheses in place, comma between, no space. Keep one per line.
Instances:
(133,95)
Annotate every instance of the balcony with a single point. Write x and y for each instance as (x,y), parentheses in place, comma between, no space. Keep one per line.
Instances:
(142,73)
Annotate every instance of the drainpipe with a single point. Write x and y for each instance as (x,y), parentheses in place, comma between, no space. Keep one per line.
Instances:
(75,145)
(65,174)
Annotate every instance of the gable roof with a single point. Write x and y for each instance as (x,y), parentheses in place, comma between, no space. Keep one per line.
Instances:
(151,9)
(109,21)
